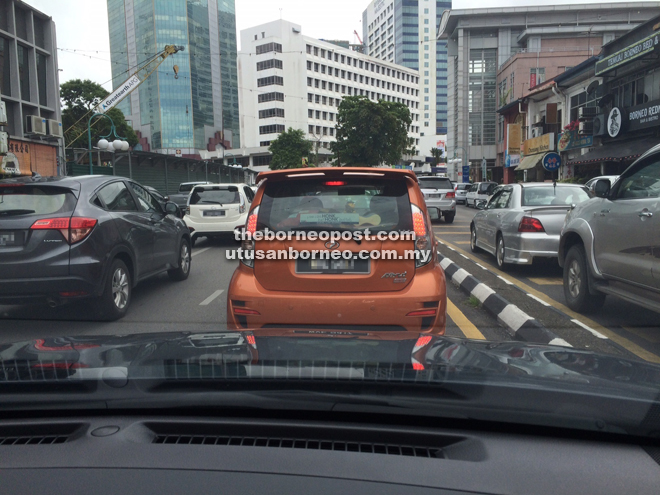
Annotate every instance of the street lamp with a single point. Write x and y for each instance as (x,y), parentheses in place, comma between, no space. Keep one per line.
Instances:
(118,144)
(464,154)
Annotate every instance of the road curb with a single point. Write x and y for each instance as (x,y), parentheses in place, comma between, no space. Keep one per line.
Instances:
(520,324)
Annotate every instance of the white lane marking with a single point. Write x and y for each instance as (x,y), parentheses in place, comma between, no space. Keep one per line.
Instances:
(464,256)
(451,248)
(589,329)
(538,299)
(445,263)
(481,266)
(558,341)
(505,280)
(482,291)
(514,317)
(460,275)
(210,299)
(200,251)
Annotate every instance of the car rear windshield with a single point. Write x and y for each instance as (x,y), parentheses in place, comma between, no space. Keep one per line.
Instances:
(347,204)
(485,187)
(463,186)
(220,195)
(549,195)
(35,200)
(435,183)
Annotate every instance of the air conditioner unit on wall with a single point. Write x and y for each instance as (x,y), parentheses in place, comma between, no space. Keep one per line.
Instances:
(586,128)
(55,128)
(35,125)
(3,113)
(599,125)
(587,112)
(537,131)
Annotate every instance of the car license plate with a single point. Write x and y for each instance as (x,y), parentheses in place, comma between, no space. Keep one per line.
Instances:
(329,266)
(434,195)
(214,213)
(7,239)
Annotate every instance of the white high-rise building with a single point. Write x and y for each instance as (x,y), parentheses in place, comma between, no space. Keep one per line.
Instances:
(287,79)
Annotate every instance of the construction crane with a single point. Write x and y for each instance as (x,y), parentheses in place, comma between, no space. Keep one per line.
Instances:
(358,37)
(127,87)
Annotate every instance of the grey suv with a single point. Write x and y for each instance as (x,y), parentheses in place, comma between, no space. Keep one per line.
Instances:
(611,243)
(439,194)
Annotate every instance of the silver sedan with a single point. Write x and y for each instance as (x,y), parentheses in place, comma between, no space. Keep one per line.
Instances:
(523,221)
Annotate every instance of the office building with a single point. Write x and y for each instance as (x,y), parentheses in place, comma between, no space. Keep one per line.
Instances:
(526,46)
(30,89)
(198,109)
(288,79)
(404,32)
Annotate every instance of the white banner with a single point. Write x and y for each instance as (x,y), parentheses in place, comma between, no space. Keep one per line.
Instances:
(118,94)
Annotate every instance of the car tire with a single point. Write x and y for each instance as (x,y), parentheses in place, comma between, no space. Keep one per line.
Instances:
(576,283)
(473,240)
(499,253)
(449,217)
(182,271)
(113,303)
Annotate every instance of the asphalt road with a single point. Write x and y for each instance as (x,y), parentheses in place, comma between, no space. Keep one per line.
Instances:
(197,304)
(538,290)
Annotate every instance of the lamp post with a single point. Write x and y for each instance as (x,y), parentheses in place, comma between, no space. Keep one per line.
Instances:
(464,154)
(232,166)
(119,143)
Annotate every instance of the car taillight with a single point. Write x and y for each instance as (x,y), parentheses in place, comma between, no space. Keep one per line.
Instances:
(530,224)
(246,311)
(422,312)
(73,229)
(422,237)
(450,195)
(248,243)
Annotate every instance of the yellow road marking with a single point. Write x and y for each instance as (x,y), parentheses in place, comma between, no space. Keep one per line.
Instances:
(648,334)
(462,322)
(462,242)
(613,336)
(546,281)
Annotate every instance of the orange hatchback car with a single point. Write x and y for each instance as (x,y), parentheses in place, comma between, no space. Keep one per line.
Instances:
(338,248)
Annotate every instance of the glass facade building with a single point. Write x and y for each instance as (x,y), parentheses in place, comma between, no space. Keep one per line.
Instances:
(404,32)
(179,111)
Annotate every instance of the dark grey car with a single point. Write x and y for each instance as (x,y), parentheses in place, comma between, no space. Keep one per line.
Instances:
(64,238)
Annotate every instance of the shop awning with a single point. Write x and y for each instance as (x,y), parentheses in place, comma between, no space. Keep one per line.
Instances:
(617,152)
(529,162)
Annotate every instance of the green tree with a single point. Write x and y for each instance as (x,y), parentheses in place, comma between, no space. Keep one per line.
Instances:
(436,153)
(370,133)
(79,98)
(289,149)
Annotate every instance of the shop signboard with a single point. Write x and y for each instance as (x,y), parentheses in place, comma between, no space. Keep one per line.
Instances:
(628,54)
(643,116)
(570,140)
(541,144)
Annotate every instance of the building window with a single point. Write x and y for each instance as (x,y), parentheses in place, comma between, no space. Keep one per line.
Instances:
(309,82)
(269,64)
(317,99)
(271,112)
(310,129)
(316,83)
(24,72)
(271,129)
(270,97)
(310,114)
(324,100)
(332,102)
(309,49)
(323,69)
(583,100)
(323,84)
(332,131)
(5,87)
(264,143)
(269,81)
(316,51)
(330,86)
(316,67)
(322,53)
(309,65)
(332,116)
(318,114)
(310,97)
(41,79)
(269,47)
(536,76)
(325,131)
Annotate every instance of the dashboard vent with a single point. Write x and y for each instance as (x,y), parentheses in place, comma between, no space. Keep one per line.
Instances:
(37,434)
(292,443)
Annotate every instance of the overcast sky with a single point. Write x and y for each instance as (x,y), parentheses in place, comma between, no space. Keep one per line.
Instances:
(82,25)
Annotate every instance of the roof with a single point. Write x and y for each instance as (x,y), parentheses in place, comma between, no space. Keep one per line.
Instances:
(508,106)
(617,151)
(335,172)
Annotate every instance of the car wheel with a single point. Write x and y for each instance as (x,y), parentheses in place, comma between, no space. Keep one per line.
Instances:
(576,283)
(449,217)
(499,253)
(113,303)
(182,271)
(473,239)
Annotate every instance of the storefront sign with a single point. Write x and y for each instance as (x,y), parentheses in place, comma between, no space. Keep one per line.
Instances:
(614,121)
(513,138)
(551,162)
(642,116)
(628,54)
(18,160)
(541,144)
(511,160)
(570,140)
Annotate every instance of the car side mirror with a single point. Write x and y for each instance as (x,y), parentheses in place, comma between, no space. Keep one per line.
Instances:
(434,213)
(602,188)
(172,208)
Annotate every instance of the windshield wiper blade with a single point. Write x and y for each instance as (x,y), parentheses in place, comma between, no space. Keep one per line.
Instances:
(16,212)
(212,202)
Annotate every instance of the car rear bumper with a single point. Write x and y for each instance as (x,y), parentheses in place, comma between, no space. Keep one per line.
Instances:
(372,309)
(18,291)
(521,249)
(220,227)
(443,205)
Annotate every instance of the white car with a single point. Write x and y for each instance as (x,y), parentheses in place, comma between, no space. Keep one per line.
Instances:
(216,210)
(479,191)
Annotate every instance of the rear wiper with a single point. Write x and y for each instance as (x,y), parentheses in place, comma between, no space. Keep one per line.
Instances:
(16,212)
(212,202)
